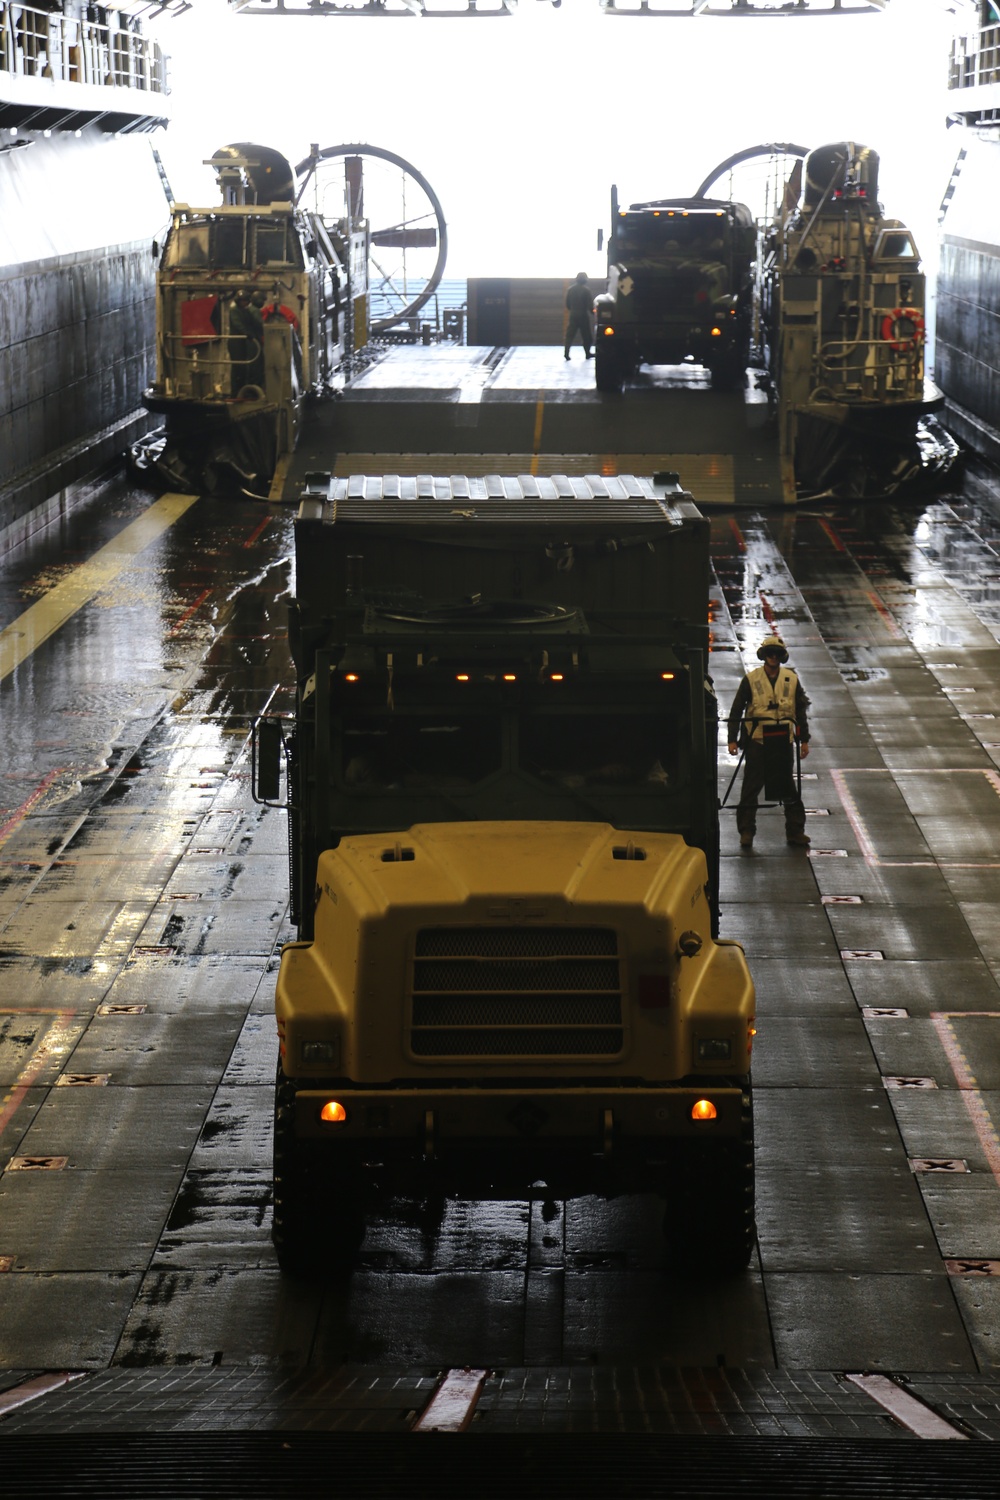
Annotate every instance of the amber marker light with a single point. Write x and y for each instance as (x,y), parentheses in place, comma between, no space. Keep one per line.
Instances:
(608,329)
(556,677)
(716,333)
(704,1109)
(351,677)
(510,677)
(462,677)
(333,1113)
(667,676)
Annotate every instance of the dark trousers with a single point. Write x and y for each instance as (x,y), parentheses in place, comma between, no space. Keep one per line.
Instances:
(579,323)
(753,785)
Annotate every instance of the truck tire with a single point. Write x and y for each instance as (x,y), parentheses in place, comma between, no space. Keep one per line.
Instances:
(709,1218)
(317,1222)
(727,372)
(608,373)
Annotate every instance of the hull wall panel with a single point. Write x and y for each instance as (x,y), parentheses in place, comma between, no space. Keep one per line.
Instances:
(77,315)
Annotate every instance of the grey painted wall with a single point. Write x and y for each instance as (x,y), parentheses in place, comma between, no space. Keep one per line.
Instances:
(968,326)
(77,337)
(78,216)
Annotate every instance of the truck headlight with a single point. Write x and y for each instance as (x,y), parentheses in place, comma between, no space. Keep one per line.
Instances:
(320,1052)
(714,1049)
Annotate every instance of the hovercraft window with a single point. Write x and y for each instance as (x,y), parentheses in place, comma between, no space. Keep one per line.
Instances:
(411,752)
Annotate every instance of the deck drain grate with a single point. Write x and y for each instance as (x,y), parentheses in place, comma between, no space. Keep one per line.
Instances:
(950,1164)
(972,1267)
(817,812)
(827,853)
(841,900)
(37,1163)
(120,1010)
(884,1013)
(869,955)
(162,949)
(903,1082)
(82,1080)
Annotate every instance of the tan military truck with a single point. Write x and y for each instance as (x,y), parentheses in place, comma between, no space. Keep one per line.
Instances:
(680,287)
(502,796)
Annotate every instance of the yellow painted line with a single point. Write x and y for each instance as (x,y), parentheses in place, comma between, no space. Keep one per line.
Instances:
(25,634)
(536,441)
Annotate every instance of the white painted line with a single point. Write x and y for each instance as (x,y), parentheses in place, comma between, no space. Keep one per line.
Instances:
(451,1407)
(908,1410)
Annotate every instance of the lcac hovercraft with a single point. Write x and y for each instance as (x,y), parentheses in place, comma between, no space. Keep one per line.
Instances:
(263,303)
(844,322)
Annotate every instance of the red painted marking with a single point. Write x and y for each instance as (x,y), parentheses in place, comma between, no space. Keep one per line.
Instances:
(766,610)
(971,1097)
(887,619)
(834,538)
(189,612)
(19,814)
(737,533)
(29,1073)
(908,1410)
(255,534)
(452,1404)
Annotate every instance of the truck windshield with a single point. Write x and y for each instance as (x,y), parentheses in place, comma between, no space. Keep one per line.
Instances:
(591,749)
(412,751)
(698,235)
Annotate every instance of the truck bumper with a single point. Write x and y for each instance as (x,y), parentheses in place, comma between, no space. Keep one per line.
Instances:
(498,1142)
(598,1119)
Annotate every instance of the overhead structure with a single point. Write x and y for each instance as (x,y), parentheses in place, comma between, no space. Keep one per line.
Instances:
(758,8)
(383,8)
(676,9)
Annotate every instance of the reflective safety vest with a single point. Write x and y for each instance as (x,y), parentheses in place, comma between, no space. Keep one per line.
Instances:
(772,702)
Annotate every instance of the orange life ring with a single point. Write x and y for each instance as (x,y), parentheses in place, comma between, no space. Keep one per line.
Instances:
(281,310)
(898,341)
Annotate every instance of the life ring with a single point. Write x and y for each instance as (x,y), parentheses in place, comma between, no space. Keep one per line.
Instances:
(279,309)
(898,341)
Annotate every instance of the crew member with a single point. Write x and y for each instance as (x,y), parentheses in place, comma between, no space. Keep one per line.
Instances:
(768,696)
(579,301)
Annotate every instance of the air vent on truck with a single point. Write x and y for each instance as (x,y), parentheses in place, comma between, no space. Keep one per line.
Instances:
(516,991)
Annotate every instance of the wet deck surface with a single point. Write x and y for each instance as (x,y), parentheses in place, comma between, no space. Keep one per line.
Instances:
(530,411)
(143,904)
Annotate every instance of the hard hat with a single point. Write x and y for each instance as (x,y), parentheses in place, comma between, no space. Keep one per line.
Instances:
(772,643)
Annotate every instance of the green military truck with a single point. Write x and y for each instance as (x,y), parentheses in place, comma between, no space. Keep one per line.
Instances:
(680,286)
(502,796)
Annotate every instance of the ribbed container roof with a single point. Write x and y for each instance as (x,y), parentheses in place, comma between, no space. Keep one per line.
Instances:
(427,499)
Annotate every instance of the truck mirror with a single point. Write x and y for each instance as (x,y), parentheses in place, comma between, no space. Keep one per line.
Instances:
(267,743)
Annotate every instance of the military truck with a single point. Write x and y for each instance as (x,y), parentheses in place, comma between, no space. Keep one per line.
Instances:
(680,286)
(503,810)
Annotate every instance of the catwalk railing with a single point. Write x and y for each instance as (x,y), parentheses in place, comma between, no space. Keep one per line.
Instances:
(108,51)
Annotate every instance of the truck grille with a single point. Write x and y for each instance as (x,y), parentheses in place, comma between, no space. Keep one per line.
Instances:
(516,991)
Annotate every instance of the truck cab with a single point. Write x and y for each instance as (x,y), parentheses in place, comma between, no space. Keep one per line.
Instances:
(680,280)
